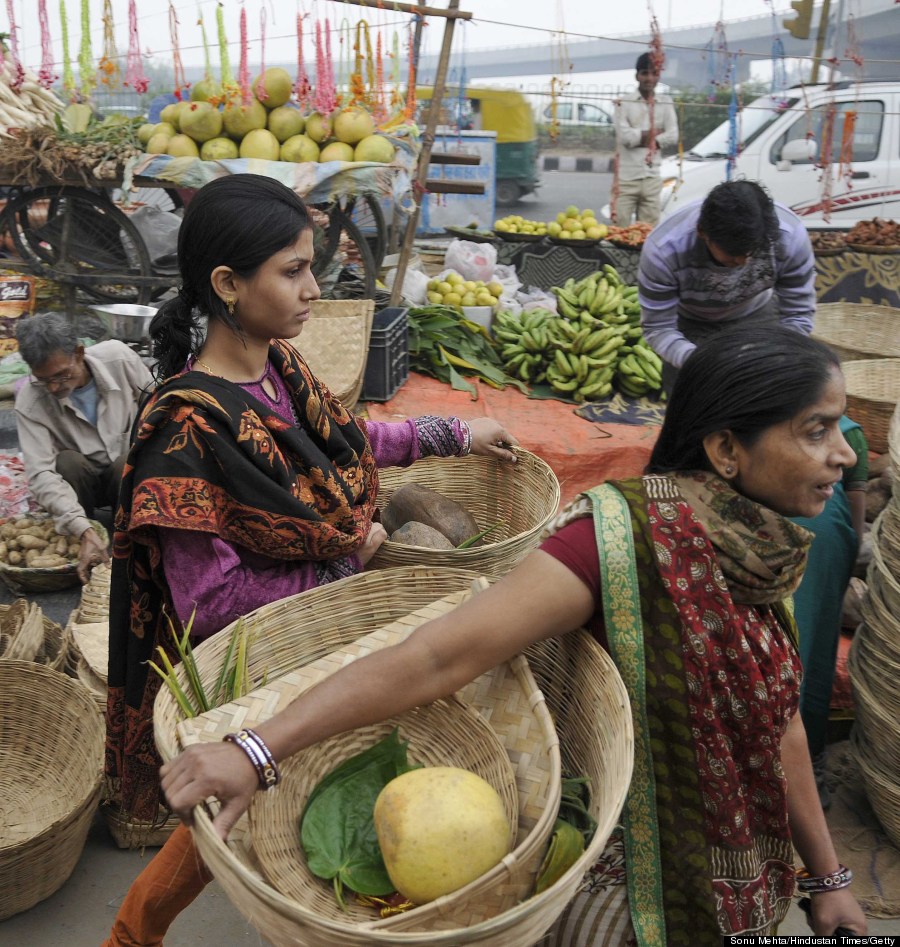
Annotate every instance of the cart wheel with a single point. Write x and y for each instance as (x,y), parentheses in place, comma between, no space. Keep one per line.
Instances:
(365,211)
(74,235)
(163,198)
(343,263)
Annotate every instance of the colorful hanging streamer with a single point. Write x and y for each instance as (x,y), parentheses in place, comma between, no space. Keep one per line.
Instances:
(717,59)
(260,90)
(68,75)
(181,83)
(46,76)
(734,139)
(135,77)
(244,67)
(87,74)
(658,60)
(14,46)
(110,76)
(303,87)
(325,99)
(224,60)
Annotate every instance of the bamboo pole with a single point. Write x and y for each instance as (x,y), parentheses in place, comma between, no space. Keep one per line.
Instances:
(450,14)
(820,40)
(437,96)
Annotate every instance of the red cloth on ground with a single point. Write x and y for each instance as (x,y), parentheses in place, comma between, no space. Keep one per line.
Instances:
(581,453)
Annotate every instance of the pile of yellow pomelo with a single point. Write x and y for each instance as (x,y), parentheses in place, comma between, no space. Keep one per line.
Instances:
(452,289)
(516,224)
(214,126)
(575,224)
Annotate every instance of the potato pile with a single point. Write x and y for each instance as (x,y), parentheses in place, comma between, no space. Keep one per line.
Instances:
(28,543)
(420,516)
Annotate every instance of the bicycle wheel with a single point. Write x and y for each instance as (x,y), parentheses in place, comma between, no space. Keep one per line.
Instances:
(74,235)
(365,211)
(343,264)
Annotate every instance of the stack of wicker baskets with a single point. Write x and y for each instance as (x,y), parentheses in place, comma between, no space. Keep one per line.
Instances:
(88,629)
(51,759)
(26,634)
(568,682)
(874,661)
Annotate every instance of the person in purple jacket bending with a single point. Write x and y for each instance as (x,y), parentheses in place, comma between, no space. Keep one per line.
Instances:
(737,257)
(246,481)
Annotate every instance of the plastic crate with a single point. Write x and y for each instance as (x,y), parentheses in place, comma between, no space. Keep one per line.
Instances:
(387,366)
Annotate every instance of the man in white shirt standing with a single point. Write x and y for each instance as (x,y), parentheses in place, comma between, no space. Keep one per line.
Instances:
(74,417)
(637,150)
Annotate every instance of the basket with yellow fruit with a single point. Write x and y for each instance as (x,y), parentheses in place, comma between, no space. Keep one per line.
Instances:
(574,227)
(452,289)
(520,230)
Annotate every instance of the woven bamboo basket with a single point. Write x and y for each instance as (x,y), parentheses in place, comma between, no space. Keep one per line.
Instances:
(445,733)
(574,673)
(27,634)
(94,605)
(873,390)
(521,498)
(883,624)
(882,787)
(857,331)
(51,761)
(335,344)
(507,697)
(20,580)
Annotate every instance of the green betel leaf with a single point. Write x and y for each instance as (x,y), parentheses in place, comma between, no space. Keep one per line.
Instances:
(337,829)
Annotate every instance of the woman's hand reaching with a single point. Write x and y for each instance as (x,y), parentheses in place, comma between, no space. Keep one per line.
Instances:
(377,535)
(491,439)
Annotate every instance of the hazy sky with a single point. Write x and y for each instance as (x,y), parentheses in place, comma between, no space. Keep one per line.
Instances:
(535,22)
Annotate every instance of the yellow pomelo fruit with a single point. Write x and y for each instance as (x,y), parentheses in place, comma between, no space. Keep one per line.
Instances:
(239,119)
(181,146)
(318,127)
(170,114)
(260,143)
(164,128)
(218,149)
(299,148)
(353,124)
(285,121)
(145,133)
(201,121)
(374,148)
(158,144)
(336,151)
(277,84)
(205,89)
(439,828)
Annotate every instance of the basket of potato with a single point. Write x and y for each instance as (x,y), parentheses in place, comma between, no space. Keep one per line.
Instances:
(35,558)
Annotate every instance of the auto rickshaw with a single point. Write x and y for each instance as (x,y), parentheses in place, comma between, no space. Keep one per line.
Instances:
(505,112)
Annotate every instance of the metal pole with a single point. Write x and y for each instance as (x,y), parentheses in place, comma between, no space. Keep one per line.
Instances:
(437,96)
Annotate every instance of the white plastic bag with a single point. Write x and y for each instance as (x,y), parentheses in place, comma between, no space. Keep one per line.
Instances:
(415,285)
(474,261)
(533,298)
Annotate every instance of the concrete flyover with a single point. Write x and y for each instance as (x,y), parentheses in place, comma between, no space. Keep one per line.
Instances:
(686,57)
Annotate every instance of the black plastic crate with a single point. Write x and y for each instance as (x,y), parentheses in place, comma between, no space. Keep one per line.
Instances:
(387,366)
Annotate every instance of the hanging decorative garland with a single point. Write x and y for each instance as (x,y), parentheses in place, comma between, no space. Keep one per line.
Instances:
(181,83)
(325,96)
(717,60)
(224,59)
(779,69)
(135,77)
(379,105)
(68,76)
(18,70)
(734,138)
(409,112)
(244,66)
(87,76)
(260,89)
(46,76)
(561,65)
(302,88)
(658,60)
(110,76)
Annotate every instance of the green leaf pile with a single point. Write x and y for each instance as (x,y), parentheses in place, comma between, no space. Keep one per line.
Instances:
(447,346)
(337,829)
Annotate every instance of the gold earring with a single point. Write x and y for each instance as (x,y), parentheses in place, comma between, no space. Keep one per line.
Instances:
(229,305)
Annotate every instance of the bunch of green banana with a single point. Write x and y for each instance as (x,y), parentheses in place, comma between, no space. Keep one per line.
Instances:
(584,368)
(600,297)
(528,340)
(640,371)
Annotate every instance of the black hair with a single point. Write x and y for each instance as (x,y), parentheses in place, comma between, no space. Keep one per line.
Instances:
(739,217)
(44,334)
(743,380)
(238,221)
(645,63)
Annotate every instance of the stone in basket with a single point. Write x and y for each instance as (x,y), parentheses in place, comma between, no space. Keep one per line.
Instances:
(301,629)
(20,578)
(519,498)
(51,762)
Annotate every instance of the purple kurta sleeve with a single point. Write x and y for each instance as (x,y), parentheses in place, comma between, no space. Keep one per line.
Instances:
(210,574)
(399,444)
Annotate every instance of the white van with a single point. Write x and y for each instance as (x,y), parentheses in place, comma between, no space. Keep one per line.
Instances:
(781,141)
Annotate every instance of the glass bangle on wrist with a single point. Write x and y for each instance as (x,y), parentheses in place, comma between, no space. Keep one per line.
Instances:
(260,756)
(811,884)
